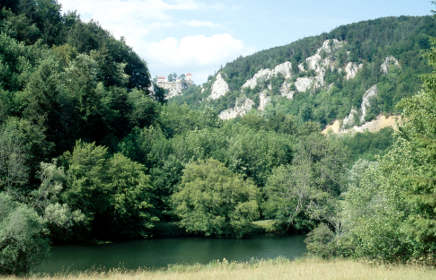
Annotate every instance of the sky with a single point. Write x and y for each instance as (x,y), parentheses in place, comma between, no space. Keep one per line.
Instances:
(200,36)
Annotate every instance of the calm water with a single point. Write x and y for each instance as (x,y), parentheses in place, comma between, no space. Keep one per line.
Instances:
(163,252)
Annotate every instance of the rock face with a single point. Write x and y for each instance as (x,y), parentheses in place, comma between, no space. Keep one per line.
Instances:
(263,100)
(304,83)
(264,74)
(346,125)
(388,63)
(286,91)
(350,120)
(242,107)
(370,93)
(351,70)
(219,88)
(319,63)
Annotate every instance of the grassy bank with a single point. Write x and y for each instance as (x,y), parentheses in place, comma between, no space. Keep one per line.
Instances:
(271,269)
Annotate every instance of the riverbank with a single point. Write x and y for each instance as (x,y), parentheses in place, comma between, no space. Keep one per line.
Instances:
(271,269)
(270,228)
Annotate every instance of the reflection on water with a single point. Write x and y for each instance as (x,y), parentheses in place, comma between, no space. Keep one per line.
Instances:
(158,253)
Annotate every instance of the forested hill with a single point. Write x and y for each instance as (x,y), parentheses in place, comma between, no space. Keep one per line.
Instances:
(325,77)
(71,79)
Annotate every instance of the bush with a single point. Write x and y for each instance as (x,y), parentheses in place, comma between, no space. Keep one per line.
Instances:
(22,243)
(320,241)
(213,201)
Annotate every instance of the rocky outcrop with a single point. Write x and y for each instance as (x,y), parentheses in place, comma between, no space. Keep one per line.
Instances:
(348,123)
(322,56)
(304,83)
(242,107)
(389,62)
(364,107)
(219,88)
(286,90)
(351,69)
(263,100)
(285,69)
(319,63)
(351,119)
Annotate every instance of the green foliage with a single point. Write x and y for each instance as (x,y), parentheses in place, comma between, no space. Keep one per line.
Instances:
(58,217)
(367,145)
(113,192)
(65,83)
(305,191)
(22,147)
(389,209)
(176,119)
(255,153)
(320,241)
(213,201)
(22,242)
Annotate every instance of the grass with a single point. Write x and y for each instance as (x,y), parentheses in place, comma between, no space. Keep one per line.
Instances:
(271,269)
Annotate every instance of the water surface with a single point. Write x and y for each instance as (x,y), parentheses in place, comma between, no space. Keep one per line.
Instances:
(158,253)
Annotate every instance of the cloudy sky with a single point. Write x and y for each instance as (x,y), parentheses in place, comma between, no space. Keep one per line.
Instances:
(199,36)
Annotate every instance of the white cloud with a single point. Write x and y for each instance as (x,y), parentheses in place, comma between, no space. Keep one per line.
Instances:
(200,23)
(139,20)
(198,49)
(198,54)
(132,19)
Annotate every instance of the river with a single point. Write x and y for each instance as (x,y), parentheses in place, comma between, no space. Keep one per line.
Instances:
(158,253)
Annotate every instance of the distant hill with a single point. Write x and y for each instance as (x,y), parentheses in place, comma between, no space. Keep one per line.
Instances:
(353,74)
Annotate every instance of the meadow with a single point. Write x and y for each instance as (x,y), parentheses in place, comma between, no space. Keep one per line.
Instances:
(305,268)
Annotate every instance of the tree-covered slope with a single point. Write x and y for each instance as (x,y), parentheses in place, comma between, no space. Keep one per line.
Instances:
(325,77)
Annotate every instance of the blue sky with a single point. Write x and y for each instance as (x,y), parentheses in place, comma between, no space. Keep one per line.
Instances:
(199,36)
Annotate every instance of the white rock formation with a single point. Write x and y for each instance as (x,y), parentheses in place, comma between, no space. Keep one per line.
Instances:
(315,61)
(389,62)
(370,93)
(319,65)
(285,69)
(351,70)
(302,84)
(263,100)
(219,88)
(350,120)
(286,91)
(261,74)
(242,107)
(264,74)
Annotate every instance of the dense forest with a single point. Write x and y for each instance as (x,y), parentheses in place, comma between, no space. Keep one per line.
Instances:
(90,152)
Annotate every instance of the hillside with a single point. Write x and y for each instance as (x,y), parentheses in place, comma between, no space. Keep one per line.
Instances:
(353,74)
